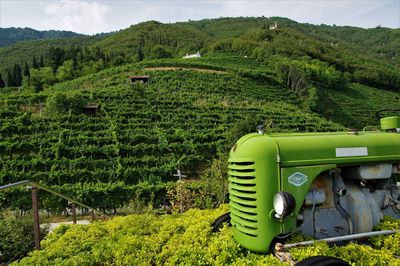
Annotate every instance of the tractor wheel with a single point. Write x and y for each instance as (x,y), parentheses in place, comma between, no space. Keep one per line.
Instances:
(219,222)
(322,261)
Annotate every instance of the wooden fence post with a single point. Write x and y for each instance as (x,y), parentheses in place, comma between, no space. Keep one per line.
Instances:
(36,221)
(73,207)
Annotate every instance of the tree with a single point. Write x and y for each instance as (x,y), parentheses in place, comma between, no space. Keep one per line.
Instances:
(56,57)
(241,128)
(41,63)
(159,51)
(140,55)
(17,75)
(92,67)
(36,80)
(34,63)
(62,102)
(66,71)
(73,52)
(117,58)
(2,84)
(42,78)
(10,79)
(98,54)
(26,70)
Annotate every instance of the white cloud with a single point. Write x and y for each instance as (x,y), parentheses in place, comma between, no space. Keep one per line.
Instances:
(76,15)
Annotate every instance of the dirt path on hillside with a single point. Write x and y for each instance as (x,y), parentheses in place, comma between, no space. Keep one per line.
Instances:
(185,68)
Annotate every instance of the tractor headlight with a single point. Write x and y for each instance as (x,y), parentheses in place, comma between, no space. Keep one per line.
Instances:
(284,204)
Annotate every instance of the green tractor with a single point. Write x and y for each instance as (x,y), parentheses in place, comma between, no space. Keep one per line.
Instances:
(332,186)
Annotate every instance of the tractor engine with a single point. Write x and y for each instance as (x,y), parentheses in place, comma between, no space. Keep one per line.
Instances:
(350,200)
(320,184)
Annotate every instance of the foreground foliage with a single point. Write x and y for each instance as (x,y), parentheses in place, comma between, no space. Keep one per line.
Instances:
(145,240)
(16,236)
(185,239)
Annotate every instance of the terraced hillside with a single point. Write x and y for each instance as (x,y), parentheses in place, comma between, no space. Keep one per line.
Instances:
(357,105)
(71,119)
(142,133)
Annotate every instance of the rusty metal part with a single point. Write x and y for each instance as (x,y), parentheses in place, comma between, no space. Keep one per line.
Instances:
(336,177)
(324,184)
(396,168)
(281,253)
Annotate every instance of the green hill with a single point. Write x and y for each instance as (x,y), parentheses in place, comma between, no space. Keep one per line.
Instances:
(24,51)
(288,78)
(147,37)
(77,124)
(188,112)
(12,35)
(357,105)
(367,56)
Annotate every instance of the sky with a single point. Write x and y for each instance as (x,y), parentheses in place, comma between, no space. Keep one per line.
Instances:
(96,16)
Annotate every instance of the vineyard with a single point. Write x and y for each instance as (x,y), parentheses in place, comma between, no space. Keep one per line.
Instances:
(143,133)
(357,106)
(126,156)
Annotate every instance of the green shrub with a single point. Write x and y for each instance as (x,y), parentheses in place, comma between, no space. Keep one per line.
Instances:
(62,103)
(16,236)
(184,239)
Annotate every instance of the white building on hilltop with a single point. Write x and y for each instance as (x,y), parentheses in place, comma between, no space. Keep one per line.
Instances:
(196,55)
(274,27)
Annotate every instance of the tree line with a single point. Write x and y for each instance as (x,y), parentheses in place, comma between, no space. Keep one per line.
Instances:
(61,64)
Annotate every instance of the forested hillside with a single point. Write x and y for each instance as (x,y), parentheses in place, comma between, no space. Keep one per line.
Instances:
(10,36)
(367,56)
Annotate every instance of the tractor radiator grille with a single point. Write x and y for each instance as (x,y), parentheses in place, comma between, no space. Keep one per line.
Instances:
(242,196)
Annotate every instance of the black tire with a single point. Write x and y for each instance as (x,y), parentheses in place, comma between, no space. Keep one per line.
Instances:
(219,222)
(322,261)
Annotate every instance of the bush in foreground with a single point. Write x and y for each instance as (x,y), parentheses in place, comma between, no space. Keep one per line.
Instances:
(145,240)
(183,239)
(16,236)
